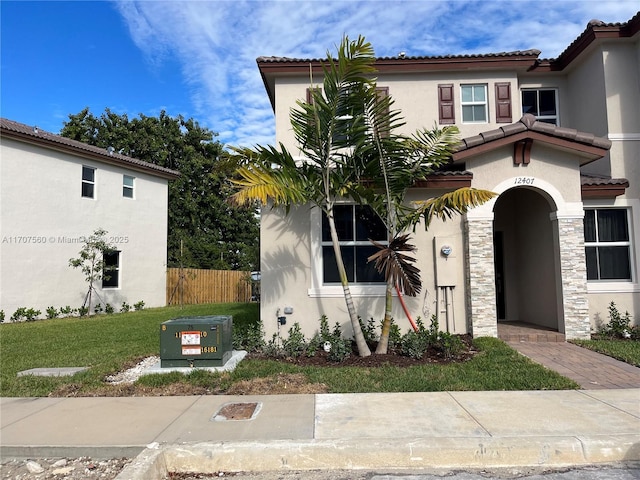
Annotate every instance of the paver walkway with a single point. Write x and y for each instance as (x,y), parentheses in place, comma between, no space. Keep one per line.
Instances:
(589,369)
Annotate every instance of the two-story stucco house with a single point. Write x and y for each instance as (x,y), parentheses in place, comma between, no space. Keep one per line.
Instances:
(559,142)
(54,192)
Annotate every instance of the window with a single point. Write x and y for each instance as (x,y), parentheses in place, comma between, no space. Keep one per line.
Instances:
(111,270)
(355,224)
(607,245)
(474,103)
(88,181)
(542,103)
(127,186)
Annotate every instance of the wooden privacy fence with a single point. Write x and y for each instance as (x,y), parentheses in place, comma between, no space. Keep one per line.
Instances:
(191,286)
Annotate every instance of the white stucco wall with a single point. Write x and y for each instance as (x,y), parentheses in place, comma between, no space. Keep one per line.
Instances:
(44,216)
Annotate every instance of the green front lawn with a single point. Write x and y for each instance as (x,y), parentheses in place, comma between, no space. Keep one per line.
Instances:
(109,343)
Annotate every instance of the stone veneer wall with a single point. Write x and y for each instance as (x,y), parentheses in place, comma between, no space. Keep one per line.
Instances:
(481,291)
(573,267)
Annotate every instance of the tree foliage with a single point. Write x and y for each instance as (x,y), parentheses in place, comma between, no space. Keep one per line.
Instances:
(91,262)
(204,231)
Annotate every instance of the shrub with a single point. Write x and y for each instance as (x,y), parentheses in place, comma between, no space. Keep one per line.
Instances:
(340,349)
(250,338)
(395,336)
(138,305)
(619,326)
(18,315)
(82,311)
(98,308)
(108,308)
(449,345)
(125,307)
(52,312)
(1,316)
(414,344)
(25,314)
(66,311)
(272,348)
(369,330)
(295,344)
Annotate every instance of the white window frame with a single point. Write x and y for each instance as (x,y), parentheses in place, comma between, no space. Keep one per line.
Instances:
(318,288)
(598,243)
(543,118)
(475,103)
(88,182)
(128,188)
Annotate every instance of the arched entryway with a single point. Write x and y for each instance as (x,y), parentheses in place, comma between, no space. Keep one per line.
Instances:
(526,259)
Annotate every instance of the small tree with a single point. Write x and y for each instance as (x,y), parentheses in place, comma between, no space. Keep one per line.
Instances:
(91,262)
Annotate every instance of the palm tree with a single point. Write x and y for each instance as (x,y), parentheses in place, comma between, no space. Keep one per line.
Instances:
(395,162)
(329,129)
(347,135)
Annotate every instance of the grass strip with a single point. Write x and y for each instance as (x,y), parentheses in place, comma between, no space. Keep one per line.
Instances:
(625,350)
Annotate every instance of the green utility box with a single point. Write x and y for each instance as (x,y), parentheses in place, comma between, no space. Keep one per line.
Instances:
(196,341)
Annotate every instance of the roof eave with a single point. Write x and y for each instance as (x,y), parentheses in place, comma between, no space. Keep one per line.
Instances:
(114,159)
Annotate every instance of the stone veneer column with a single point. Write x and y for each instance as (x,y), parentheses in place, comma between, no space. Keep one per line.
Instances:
(573,268)
(481,291)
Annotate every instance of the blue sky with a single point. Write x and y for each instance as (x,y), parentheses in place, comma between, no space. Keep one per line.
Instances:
(197,58)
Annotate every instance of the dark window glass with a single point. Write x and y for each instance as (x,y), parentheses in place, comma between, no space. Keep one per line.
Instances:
(614,263)
(605,260)
(88,174)
(368,224)
(366,271)
(343,217)
(612,225)
(547,102)
(330,267)
(590,226)
(87,190)
(592,263)
(530,102)
(355,251)
(111,272)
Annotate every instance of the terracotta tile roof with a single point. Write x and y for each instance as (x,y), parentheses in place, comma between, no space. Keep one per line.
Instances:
(518,53)
(592,179)
(595,29)
(529,123)
(29,134)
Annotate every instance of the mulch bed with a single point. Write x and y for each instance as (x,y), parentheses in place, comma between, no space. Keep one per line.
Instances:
(321,359)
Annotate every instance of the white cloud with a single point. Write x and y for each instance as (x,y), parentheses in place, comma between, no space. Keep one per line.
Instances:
(216,42)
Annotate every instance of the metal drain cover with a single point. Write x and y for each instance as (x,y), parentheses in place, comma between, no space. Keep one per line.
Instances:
(237,411)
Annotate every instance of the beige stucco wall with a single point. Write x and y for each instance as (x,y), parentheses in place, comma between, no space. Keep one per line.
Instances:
(599,93)
(43,216)
(416,96)
(291,277)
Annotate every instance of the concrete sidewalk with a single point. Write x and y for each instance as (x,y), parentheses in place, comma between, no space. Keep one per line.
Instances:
(330,431)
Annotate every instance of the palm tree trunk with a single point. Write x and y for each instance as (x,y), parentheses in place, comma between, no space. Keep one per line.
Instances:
(363,348)
(383,344)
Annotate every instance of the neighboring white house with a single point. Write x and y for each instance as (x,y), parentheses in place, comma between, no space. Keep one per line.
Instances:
(558,140)
(54,192)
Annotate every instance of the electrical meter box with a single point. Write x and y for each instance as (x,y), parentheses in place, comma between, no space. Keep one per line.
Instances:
(196,341)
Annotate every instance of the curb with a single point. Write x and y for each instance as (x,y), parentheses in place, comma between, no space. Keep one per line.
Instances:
(371,454)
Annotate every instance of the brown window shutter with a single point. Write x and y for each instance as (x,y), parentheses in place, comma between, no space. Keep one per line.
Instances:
(446,108)
(309,96)
(382,93)
(503,103)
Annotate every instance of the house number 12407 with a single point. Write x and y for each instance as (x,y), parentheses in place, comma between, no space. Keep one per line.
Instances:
(524,181)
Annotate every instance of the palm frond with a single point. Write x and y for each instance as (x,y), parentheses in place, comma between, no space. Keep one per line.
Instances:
(398,268)
(446,205)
